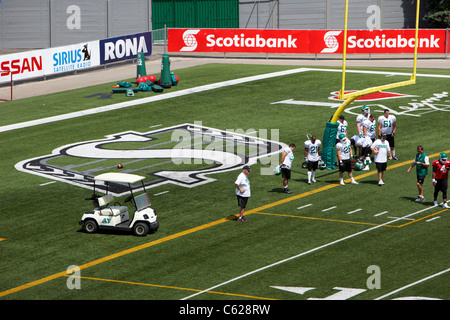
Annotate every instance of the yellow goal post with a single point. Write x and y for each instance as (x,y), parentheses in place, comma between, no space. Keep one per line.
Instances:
(329,137)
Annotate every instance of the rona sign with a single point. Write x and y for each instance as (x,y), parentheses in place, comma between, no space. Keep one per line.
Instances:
(126,47)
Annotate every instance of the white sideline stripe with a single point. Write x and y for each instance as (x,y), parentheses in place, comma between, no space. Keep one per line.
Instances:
(302,254)
(148,99)
(413,284)
(330,208)
(189,91)
(305,206)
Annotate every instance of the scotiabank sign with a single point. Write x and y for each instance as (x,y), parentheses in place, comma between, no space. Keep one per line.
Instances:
(305,41)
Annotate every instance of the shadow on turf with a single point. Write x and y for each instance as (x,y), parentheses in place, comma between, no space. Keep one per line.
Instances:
(114,232)
(412,199)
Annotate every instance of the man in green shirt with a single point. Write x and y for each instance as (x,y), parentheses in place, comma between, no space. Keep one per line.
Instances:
(421,162)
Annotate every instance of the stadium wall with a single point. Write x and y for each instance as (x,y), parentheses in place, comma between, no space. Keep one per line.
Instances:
(39,24)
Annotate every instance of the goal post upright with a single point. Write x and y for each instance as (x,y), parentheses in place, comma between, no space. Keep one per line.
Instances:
(347,97)
(344,54)
(329,137)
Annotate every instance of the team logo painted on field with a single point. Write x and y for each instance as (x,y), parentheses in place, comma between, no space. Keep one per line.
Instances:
(414,108)
(183,155)
(371,96)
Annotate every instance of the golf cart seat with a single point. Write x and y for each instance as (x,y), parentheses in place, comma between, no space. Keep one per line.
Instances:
(107,210)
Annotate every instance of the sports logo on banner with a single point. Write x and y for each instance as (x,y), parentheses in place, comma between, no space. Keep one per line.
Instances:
(183,155)
(305,41)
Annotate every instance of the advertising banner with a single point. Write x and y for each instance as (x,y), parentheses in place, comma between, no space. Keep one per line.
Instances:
(71,58)
(45,62)
(22,65)
(305,41)
(125,47)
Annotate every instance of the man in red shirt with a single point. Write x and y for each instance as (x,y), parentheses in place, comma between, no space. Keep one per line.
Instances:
(440,178)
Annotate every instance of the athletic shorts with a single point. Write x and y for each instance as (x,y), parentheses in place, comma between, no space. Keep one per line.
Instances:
(420,179)
(346,166)
(391,140)
(285,173)
(312,165)
(242,201)
(381,166)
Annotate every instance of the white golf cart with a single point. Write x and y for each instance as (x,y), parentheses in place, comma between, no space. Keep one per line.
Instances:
(110,215)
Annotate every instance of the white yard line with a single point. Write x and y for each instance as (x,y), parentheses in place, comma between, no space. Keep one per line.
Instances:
(330,208)
(413,284)
(303,254)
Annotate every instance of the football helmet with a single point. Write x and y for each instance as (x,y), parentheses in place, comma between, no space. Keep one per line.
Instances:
(365,109)
(277,170)
(342,138)
(359,165)
(322,165)
(443,157)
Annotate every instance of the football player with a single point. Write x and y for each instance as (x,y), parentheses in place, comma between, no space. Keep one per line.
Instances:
(362,144)
(342,127)
(387,124)
(440,178)
(344,154)
(287,157)
(312,157)
(361,118)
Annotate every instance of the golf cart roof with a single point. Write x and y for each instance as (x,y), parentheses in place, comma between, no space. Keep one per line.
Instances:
(119,177)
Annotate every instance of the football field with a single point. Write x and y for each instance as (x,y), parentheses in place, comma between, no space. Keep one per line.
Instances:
(323,241)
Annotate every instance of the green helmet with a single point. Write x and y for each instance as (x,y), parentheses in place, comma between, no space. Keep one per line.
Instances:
(359,166)
(342,137)
(443,157)
(322,165)
(365,109)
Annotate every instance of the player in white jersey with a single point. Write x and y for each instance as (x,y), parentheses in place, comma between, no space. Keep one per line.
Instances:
(287,157)
(370,127)
(312,157)
(344,154)
(362,143)
(361,118)
(342,127)
(387,124)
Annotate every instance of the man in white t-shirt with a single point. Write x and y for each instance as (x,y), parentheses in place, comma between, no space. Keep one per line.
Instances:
(387,124)
(381,149)
(344,154)
(312,157)
(287,157)
(242,191)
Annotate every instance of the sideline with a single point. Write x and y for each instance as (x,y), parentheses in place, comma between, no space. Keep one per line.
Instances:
(184,92)
(205,226)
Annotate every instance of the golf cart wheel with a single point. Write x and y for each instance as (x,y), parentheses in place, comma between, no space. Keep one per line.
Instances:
(140,229)
(90,226)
